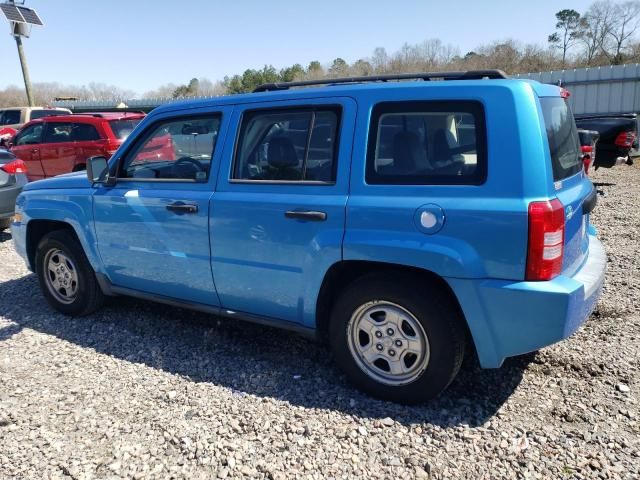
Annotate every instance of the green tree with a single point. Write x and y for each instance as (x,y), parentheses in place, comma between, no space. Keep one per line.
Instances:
(567,31)
(338,68)
(314,67)
(190,90)
(362,67)
(294,72)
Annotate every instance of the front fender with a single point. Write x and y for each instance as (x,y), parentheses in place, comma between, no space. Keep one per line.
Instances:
(74,208)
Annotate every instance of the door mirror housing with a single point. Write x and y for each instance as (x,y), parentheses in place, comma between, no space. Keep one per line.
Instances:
(98,171)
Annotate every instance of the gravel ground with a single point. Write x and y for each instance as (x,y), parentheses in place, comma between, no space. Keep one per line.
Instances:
(147,391)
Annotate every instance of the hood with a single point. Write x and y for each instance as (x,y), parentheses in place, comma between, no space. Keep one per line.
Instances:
(68,180)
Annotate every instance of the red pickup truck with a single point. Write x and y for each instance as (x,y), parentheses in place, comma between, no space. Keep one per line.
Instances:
(61,144)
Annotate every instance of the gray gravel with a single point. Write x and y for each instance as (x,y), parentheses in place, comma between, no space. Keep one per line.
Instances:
(146,391)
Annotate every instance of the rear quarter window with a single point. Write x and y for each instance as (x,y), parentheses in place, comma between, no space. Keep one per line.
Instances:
(122,128)
(562,134)
(427,143)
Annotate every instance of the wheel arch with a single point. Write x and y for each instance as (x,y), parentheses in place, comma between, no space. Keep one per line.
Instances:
(342,273)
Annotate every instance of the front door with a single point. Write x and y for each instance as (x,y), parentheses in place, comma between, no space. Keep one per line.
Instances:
(277,219)
(152,226)
(26,146)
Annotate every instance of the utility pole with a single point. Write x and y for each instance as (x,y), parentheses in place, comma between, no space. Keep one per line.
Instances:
(21,19)
(25,70)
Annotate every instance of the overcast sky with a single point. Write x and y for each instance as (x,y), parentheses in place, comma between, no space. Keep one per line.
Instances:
(141,44)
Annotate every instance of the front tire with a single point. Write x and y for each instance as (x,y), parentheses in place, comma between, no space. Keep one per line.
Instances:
(66,278)
(398,337)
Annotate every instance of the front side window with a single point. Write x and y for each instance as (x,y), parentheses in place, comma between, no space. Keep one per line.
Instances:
(30,135)
(174,150)
(426,143)
(287,145)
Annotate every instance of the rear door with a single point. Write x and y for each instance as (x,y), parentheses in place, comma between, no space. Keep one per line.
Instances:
(572,186)
(26,146)
(278,214)
(87,143)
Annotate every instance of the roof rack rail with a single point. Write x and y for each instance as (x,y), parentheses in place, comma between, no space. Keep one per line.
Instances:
(426,76)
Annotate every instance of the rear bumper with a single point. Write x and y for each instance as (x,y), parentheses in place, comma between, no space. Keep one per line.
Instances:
(511,318)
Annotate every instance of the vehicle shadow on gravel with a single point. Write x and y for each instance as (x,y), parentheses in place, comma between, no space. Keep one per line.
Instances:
(248,359)
(5,236)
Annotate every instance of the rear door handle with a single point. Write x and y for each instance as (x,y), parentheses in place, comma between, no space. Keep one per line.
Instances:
(182,207)
(311,215)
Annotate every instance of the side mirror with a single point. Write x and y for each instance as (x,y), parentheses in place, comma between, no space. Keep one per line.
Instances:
(98,171)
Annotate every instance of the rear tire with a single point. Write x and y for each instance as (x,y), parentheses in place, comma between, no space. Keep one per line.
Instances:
(397,337)
(66,278)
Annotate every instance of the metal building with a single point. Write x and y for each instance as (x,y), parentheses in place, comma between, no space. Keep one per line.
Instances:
(612,89)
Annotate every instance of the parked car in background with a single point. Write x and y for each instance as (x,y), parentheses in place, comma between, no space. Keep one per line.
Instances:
(6,134)
(399,221)
(588,141)
(61,144)
(16,117)
(13,176)
(618,134)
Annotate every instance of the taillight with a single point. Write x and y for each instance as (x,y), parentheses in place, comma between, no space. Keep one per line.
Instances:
(564,93)
(17,166)
(586,148)
(625,139)
(546,240)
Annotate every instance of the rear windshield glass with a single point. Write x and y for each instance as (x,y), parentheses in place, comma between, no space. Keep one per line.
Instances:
(46,113)
(564,144)
(122,128)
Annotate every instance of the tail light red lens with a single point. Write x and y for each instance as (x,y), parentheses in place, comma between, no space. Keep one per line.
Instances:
(586,148)
(17,166)
(625,139)
(546,240)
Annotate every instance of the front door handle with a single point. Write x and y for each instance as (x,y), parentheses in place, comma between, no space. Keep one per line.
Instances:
(182,207)
(310,215)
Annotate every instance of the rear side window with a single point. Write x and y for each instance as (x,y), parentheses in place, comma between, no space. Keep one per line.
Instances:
(287,145)
(426,143)
(58,132)
(122,128)
(564,144)
(84,132)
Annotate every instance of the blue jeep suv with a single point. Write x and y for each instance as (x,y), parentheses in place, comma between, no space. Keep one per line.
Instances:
(400,218)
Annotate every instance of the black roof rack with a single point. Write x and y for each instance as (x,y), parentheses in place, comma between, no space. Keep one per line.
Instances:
(426,76)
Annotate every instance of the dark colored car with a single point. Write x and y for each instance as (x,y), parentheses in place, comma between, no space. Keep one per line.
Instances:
(61,144)
(588,141)
(13,176)
(618,134)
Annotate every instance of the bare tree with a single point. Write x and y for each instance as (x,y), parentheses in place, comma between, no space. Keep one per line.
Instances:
(626,20)
(595,26)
